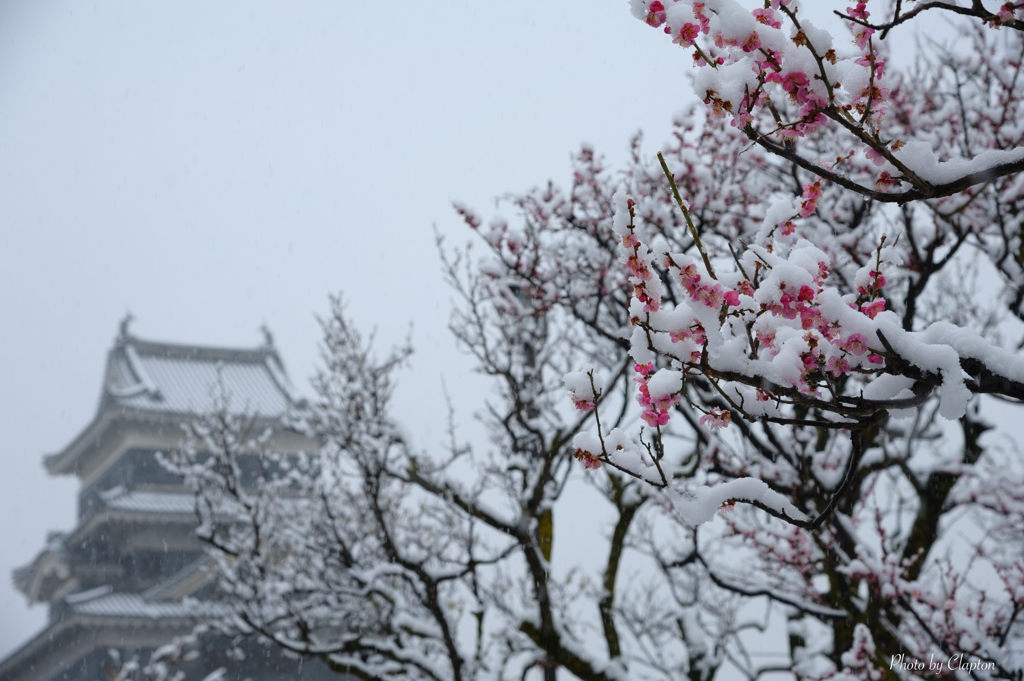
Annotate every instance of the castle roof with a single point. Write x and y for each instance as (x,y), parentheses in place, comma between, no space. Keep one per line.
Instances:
(151,381)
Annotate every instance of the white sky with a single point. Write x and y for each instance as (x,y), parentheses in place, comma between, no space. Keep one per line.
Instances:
(215,166)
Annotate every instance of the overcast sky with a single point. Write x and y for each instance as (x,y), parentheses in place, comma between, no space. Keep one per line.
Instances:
(215,166)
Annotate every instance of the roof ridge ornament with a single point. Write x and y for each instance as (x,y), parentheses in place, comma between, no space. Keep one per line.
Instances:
(268,337)
(124,334)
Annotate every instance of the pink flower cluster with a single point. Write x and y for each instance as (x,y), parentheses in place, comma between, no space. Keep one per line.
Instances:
(696,334)
(766,16)
(835,364)
(862,33)
(638,261)
(798,85)
(874,288)
(655,14)
(687,35)
(689,31)
(811,194)
(712,296)
(803,87)
(1005,15)
(872,292)
(801,303)
(655,410)
(471,218)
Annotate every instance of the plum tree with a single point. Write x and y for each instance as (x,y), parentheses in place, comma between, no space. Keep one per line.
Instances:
(781,354)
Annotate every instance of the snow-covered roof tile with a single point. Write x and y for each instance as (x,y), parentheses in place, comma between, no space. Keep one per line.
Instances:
(134,605)
(185,380)
(152,502)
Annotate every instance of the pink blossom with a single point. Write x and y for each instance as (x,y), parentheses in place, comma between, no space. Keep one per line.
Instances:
(808,207)
(690,278)
(655,419)
(767,17)
(638,268)
(741,119)
(857,344)
(687,35)
(665,402)
(651,303)
(581,404)
(875,156)
(643,398)
(827,329)
(859,12)
(873,308)
(870,61)
(885,180)
(655,14)
(794,80)
(784,309)
(813,124)
(587,459)
(838,366)
(716,418)
(732,298)
(767,65)
(862,38)
(712,296)
(812,191)
(809,317)
(810,99)
(788,228)
(875,359)
(752,43)
(746,288)
(1005,14)
(875,95)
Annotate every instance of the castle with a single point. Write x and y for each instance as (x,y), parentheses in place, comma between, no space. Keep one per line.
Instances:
(131,575)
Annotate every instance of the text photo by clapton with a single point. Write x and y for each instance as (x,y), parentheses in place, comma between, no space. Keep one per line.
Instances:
(955,662)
